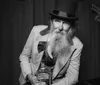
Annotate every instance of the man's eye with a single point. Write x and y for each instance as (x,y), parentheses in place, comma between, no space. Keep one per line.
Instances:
(66,23)
(57,20)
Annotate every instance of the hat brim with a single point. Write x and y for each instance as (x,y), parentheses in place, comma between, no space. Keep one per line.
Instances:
(63,18)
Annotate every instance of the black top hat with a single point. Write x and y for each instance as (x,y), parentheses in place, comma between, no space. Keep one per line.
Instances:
(65,9)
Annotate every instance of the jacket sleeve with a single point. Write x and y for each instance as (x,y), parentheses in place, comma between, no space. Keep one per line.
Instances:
(73,70)
(26,54)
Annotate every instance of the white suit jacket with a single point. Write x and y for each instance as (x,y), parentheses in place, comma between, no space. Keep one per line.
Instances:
(30,58)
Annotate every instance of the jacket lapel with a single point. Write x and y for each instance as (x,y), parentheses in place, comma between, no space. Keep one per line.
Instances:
(37,52)
(45,31)
(60,64)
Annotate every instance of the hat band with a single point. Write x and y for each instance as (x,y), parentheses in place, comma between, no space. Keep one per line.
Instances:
(64,14)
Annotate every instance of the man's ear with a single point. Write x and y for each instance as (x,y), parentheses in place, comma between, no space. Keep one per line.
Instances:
(51,25)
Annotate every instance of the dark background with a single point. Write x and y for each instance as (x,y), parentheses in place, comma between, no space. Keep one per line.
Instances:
(17,17)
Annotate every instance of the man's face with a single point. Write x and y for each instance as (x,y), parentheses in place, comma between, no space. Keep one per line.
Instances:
(60,25)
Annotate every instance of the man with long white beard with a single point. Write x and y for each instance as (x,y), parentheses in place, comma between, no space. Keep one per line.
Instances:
(54,47)
(58,42)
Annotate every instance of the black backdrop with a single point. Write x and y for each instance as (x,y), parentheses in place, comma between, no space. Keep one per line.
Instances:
(17,17)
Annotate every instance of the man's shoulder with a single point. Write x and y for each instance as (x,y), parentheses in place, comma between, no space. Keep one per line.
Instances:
(39,28)
(77,43)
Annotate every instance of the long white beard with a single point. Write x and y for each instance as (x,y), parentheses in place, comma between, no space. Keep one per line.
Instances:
(58,45)
(50,43)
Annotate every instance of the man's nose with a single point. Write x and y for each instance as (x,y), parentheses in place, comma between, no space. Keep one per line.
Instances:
(60,27)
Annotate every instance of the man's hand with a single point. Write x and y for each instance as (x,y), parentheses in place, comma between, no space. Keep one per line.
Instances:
(40,83)
(32,79)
